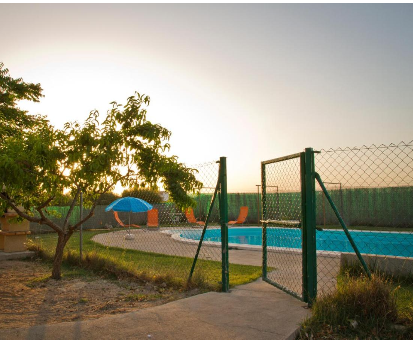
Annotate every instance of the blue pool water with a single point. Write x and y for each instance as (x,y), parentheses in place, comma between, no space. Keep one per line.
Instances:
(379,243)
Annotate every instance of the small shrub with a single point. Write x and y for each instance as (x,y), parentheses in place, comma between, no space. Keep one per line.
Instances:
(360,307)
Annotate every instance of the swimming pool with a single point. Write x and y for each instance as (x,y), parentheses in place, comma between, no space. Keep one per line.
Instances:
(379,243)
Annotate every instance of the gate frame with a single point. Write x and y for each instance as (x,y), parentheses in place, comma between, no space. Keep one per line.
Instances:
(308,222)
(308,177)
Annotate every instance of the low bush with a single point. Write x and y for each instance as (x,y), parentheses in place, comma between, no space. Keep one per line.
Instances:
(360,308)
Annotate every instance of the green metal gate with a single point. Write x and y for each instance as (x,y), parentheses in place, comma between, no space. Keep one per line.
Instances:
(288,220)
(289,224)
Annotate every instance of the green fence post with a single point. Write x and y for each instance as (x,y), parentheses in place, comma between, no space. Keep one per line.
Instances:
(223,211)
(264,225)
(303,228)
(81,228)
(309,226)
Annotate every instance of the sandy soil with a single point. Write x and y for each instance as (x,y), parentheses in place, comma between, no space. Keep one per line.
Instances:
(28,298)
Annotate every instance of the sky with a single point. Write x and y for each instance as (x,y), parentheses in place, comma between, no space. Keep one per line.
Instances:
(249,82)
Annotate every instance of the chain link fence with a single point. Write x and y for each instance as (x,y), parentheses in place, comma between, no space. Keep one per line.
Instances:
(162,243)
(372,188)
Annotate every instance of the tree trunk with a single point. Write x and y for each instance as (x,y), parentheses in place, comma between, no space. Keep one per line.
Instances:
(58,256)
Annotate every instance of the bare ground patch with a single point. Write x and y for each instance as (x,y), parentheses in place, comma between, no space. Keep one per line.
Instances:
(28,297)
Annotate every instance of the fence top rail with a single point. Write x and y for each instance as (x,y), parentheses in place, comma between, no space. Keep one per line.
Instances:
(280,159)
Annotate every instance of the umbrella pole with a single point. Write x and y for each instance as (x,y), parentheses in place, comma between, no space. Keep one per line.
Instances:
(129,222)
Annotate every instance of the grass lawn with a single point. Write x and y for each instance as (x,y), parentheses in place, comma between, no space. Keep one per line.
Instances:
(154,267)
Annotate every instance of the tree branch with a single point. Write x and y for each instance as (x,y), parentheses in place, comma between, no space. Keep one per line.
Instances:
(69,213)
(42,220)
(45,220)
(45,203)
(18,211)
(91,212)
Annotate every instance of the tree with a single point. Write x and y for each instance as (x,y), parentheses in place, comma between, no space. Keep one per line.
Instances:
(151,196)
(107,198)
(40,163)
(12,119)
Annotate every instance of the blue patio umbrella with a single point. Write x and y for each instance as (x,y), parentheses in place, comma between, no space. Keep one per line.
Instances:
(129,204)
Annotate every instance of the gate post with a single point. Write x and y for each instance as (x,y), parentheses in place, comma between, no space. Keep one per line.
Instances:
(308,225)
(223,212)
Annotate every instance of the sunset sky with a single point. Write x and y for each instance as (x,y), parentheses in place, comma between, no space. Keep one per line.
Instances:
(250,82)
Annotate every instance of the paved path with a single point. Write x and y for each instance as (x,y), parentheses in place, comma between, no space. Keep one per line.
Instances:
(253,311)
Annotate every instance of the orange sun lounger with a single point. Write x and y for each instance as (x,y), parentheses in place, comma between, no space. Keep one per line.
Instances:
(153,219)
(189,213)
(115,213)
(243,213)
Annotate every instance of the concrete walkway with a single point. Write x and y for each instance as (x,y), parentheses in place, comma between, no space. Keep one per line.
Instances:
(253,311)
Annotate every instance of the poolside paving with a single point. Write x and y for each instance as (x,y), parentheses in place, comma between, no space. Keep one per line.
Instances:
(253,311)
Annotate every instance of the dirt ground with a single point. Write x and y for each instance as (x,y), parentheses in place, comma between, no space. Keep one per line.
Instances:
(28,298)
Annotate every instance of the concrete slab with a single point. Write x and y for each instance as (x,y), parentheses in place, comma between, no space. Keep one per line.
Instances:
(253,311)
(16,256)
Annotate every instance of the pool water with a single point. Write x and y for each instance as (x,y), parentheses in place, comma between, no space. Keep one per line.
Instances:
(379,243)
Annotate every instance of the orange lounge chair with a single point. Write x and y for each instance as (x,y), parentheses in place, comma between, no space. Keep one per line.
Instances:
(243,213)
(115,213)
(189,213)
(152,219)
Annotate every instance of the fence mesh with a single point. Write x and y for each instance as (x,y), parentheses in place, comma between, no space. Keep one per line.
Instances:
(166,249)
(372,187)
(283,204)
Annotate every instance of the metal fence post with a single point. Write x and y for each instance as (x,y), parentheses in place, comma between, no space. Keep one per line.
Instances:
(303,228)
(81,228)
(258,203)
(309,225)
(223,211)
(264,218)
